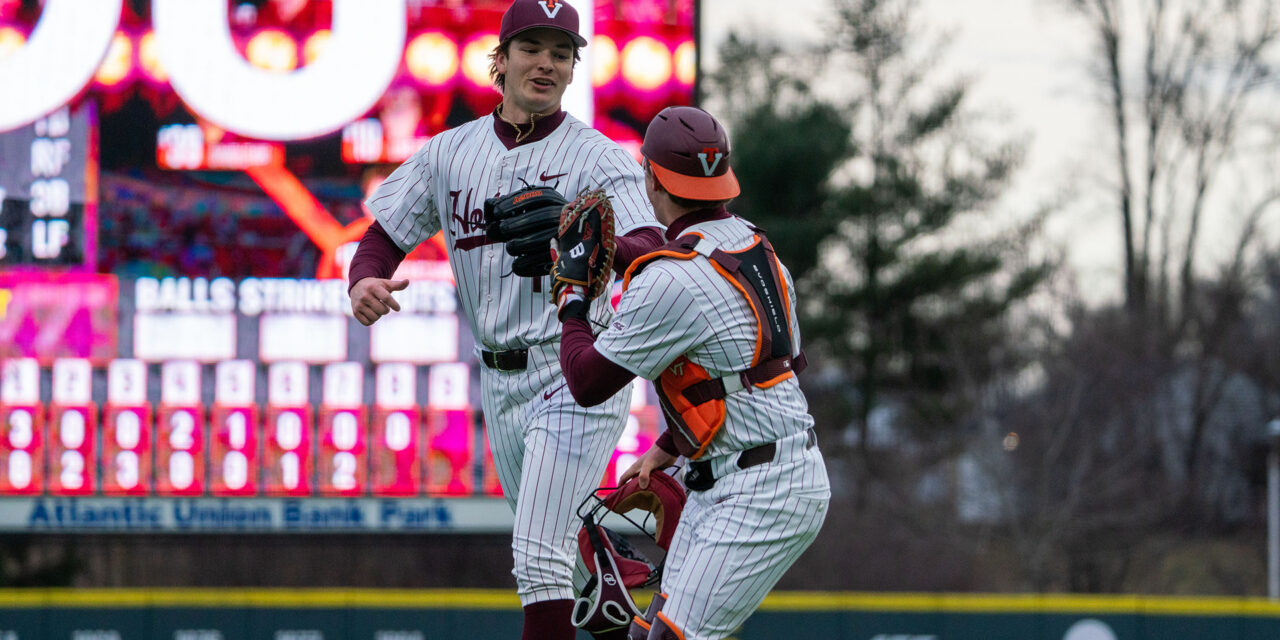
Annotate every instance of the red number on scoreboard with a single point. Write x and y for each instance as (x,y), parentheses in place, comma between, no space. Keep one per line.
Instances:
(126,451)
(343,467)
(180,451)
(233,451)
(71,451)
(21,450)
(396,467)
(287,461)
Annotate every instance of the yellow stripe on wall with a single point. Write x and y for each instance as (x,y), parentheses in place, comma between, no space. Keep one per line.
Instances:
(504,600)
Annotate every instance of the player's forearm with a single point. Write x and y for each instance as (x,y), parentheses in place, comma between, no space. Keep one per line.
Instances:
(635,244)
(591,377)
(377,256)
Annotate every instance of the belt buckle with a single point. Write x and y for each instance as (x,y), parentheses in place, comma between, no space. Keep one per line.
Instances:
(498,364)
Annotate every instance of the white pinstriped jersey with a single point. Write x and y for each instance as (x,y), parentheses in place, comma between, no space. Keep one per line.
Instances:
(444,185)
(685,307)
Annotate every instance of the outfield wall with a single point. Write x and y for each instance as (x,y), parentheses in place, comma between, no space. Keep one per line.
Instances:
(277,614)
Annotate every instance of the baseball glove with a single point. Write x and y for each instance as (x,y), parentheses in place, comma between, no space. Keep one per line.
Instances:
(583,252)
(526,220)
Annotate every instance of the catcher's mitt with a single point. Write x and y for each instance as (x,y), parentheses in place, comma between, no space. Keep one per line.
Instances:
(583,252)
(526,220)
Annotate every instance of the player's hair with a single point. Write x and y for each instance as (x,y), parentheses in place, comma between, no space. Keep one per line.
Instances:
(504,48)
(694,205)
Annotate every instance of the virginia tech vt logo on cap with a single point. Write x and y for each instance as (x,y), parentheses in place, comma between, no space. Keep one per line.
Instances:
(550,7)
(708,153)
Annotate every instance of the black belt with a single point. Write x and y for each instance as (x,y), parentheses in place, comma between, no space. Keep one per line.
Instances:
(698,476)
(513,360)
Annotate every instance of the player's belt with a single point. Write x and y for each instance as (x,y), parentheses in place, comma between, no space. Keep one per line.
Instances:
(702,474)
(513,360)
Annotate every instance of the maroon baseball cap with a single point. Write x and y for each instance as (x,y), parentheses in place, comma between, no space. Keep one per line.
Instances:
(523,15)
(689,153)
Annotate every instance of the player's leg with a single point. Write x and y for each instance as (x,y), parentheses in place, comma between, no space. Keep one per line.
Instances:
(741,537)
(503,405)
(567,448)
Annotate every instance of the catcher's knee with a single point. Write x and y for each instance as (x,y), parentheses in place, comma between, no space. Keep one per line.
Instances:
(642,625)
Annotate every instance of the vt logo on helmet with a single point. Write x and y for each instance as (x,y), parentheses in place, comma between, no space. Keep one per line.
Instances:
(710,170)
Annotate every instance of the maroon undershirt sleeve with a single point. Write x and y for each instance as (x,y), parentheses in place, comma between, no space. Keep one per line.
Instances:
(592,378)
(667,442)
(635,244)
(377,256)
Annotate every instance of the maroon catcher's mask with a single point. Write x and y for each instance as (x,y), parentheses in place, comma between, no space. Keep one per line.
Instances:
(615,565)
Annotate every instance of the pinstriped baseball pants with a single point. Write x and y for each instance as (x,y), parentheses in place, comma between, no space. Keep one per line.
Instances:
(736,540)
(549,454)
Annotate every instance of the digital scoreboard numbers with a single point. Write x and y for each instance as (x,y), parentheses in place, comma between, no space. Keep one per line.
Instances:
(47,215)
(342,465)
(126,431)
(233,442)
(73,427)
(180,429)
(396,465)
(287,461)
(21,428)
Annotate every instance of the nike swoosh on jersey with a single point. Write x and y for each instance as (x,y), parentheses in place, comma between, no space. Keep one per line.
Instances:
(546,395)
(546,178)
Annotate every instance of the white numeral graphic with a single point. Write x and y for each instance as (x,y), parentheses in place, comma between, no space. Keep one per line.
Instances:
(399,435)
(127,469)
(20,429)
(288,430)
(182,430)
(19,469)
(235,470)
(182,469)
(289,470)
(72,466)
(128,429)
(237,431)
(51,198)
(346,432)
(72,432)
(344,470)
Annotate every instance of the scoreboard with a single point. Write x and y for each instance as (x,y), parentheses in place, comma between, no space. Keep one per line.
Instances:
(45,206)
(180,454)
(178,206)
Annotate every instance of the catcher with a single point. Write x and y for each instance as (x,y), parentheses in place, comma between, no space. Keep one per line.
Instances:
(710,318)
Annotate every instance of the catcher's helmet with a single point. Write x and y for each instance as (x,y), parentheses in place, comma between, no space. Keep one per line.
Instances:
(616,565)
(689,153)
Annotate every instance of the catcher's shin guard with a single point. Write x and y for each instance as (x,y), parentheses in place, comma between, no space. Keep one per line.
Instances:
(664,629)
(640,625)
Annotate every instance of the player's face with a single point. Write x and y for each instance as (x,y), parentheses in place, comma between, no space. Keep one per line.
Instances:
(538,67)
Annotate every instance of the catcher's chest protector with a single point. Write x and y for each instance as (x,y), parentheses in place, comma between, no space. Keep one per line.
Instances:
(691,398)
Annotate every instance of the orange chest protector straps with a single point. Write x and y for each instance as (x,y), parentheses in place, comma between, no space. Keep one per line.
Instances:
(692,398)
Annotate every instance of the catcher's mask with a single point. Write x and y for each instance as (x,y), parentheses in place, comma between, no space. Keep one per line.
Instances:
(615,565)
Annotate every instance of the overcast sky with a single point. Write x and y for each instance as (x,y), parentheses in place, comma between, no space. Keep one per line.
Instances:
(1025,60)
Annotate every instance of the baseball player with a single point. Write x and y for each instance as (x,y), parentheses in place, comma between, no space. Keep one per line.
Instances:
(549,451)
(710,318)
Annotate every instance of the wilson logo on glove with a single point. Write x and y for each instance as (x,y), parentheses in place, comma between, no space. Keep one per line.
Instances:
(582,253)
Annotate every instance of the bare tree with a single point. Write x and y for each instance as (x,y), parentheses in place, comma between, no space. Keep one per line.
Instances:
(1185,83)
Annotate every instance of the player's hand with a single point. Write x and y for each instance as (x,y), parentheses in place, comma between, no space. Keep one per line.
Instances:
(371,298)
(655,459)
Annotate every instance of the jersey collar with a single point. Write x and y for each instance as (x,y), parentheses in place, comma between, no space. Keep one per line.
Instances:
(542,127)
(694,217)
